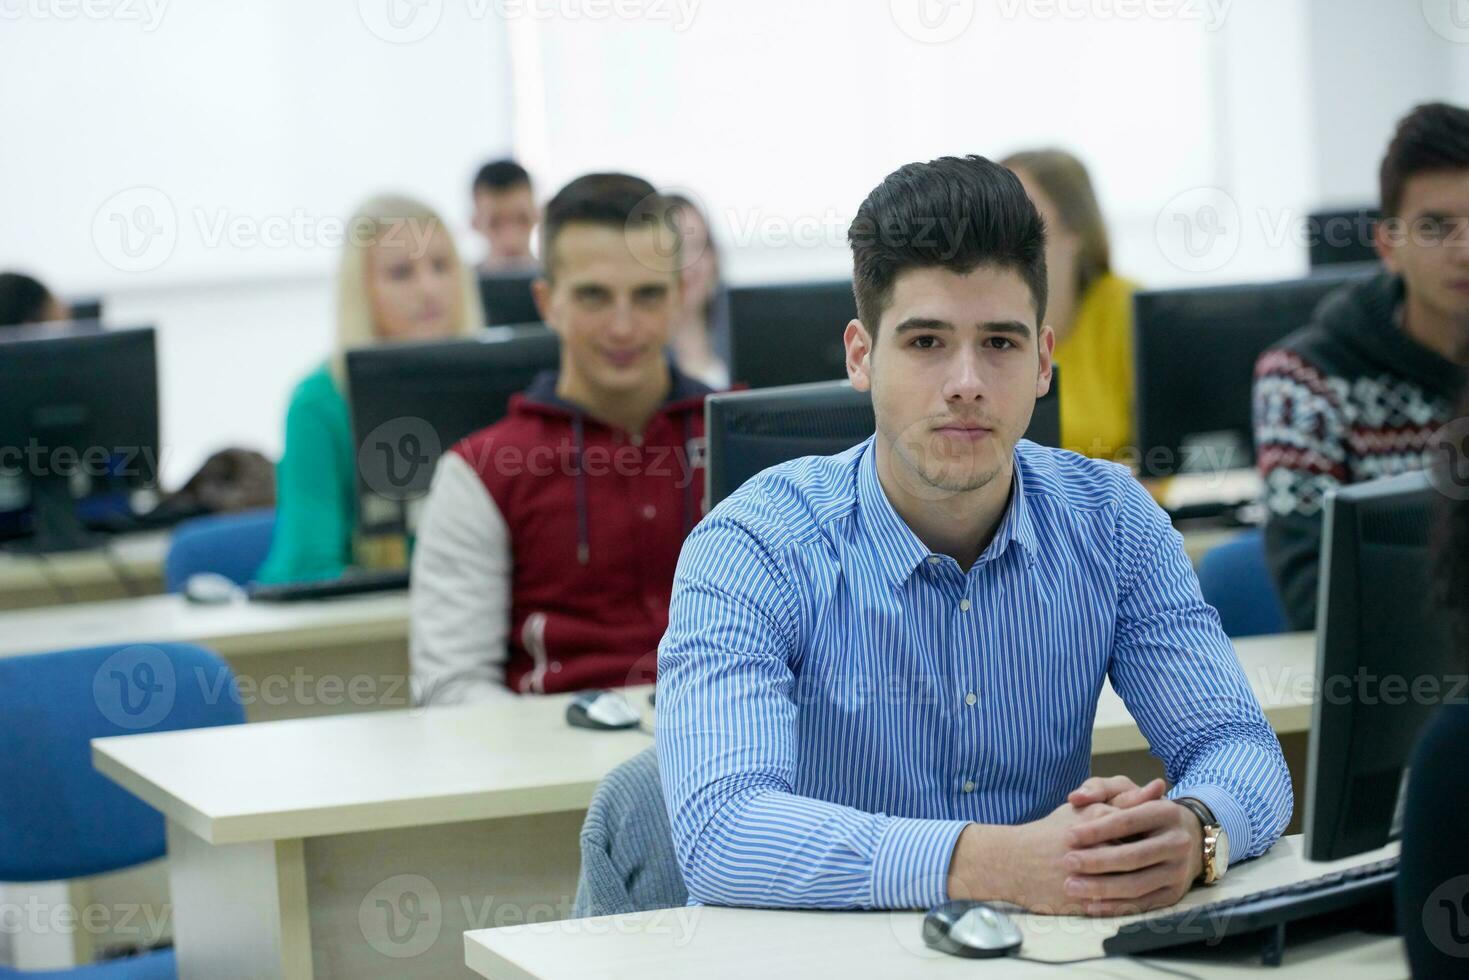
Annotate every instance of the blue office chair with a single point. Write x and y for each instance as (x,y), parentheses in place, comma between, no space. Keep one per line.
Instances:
(1236,581)
(59,817)
(232,545)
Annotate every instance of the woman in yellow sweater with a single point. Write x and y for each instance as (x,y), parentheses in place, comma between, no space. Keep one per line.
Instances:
(1088,307)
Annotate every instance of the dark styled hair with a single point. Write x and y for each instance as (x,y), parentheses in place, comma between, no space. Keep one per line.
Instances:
(22,299)
(501,175)
(954,213)
(613,200)
(1433,137)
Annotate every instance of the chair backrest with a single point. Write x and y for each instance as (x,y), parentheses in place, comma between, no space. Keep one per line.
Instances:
(59,817)
(232,545)
(628,863)
(1235,579)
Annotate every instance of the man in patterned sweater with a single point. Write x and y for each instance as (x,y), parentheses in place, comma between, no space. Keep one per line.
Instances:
(1360,392)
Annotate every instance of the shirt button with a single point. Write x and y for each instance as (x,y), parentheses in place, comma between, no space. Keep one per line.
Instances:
(970,698)
(963,605)
(649,512)
(969,786)
(934,559)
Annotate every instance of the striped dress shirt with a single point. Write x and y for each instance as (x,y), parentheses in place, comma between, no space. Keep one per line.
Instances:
(836,702)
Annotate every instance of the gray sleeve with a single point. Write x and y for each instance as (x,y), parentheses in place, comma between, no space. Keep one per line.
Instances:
(460,597)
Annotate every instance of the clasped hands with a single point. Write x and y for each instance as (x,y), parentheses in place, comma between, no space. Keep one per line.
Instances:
(1113,848)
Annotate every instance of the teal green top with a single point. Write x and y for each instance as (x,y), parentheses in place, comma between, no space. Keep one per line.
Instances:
(316,505)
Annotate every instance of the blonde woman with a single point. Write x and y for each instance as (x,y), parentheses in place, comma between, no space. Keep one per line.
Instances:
(703,316)
(1089,307)
(400,280)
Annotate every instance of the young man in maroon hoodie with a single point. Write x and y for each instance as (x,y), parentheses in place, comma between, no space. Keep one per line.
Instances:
(547,545)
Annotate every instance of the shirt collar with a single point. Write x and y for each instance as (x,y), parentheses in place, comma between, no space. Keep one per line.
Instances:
(899,551)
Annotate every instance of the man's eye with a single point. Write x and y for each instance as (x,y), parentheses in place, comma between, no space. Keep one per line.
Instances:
(1002,343)
(926,342)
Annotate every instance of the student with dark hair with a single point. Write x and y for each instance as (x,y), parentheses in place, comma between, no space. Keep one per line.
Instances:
(25,300)
(1433,878)
(881,669)
(1358,393)
(546,547)
(1089,307)
(505,213)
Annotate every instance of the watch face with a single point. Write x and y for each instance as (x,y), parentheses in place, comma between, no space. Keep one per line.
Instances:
(1221,853)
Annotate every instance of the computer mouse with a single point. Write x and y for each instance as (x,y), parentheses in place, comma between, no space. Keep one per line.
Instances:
(210,588)
(972,929)
(601,710)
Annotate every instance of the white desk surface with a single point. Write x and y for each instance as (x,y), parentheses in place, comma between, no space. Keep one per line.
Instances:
(308,777)
(231,629)
(713,942)
(350,773)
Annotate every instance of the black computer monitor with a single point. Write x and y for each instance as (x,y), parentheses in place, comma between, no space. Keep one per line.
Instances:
(1195,351)
(750,431)
(789,334)
(410,402)
(1384,658)
(85,307)
(78,416)
(1341,237)
(507,298)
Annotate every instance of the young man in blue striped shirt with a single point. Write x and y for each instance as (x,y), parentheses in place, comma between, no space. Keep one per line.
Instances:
(880,675)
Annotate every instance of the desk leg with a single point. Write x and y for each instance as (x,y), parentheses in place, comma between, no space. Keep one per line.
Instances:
(239,909)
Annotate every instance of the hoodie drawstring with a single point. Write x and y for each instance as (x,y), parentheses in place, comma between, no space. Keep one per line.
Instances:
(583,542)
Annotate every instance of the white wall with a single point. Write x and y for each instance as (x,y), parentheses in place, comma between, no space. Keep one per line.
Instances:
(1360,90)
(224,125)
(243,134)
(781,117)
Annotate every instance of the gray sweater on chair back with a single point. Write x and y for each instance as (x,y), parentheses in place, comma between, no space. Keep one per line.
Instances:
(627,858)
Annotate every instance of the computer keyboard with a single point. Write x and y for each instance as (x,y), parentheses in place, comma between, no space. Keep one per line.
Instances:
(1268,911)
(357,583)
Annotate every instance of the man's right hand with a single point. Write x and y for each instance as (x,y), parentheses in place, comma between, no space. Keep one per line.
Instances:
(1025,865)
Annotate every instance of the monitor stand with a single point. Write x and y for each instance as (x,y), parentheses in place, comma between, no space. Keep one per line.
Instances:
(57,527)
